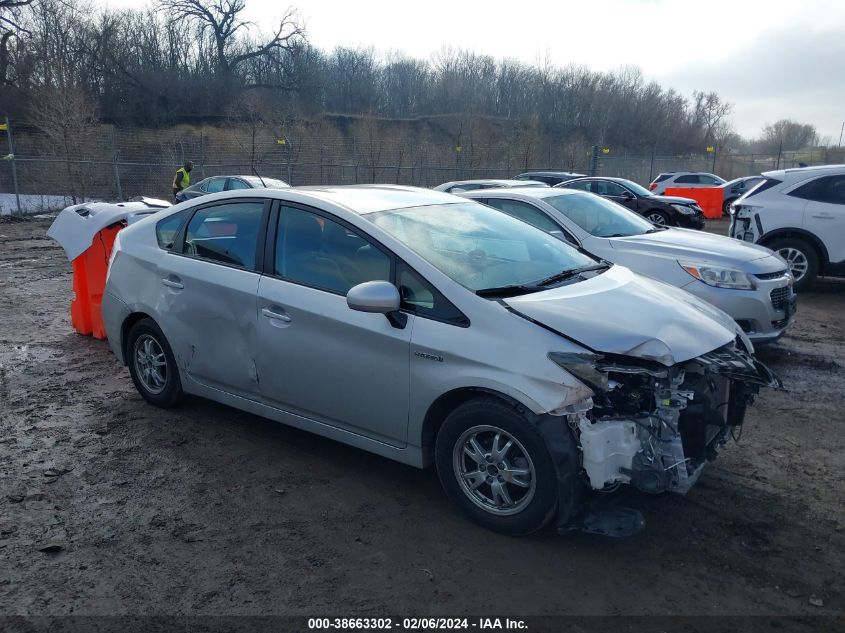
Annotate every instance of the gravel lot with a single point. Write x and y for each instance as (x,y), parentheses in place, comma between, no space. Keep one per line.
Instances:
(207,510)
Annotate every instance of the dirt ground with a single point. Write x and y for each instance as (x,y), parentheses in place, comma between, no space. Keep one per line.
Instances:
(207,510)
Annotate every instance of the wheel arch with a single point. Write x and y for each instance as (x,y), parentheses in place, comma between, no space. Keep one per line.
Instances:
(801,234)
(127,324)
(439,410)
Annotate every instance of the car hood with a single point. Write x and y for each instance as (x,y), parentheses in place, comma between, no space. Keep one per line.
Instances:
(699,246)
(621,312)
(672,200)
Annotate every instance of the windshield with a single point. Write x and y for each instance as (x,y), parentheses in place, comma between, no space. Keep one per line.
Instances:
(480,247)
(637,189)
(598,216)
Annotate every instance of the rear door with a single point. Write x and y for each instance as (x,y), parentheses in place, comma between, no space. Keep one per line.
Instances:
(318,358)
(210,281)
(824,213)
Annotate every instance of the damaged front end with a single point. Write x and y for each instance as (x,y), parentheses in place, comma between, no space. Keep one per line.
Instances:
(655,427)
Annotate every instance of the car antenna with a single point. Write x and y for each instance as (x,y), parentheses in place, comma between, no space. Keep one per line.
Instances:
(255,171)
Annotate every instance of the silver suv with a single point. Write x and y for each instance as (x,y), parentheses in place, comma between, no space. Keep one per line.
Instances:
(432,330)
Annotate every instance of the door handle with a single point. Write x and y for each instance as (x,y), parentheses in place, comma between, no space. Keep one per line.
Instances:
(272,314)
(172,284)
(822,216)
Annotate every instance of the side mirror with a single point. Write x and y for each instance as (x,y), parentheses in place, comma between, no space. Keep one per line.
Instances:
(378,296)
(373,296)
(627,195)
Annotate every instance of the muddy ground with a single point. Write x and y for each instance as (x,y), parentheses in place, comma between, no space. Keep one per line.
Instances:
(207,510)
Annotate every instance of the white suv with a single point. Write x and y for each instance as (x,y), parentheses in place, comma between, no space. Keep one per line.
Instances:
(800,214)
(692,179)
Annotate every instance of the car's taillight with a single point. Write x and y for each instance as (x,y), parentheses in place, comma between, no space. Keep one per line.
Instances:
(652,186)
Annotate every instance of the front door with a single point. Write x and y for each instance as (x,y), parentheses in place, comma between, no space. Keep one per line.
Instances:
(318,358)
(824,213)
(211,284)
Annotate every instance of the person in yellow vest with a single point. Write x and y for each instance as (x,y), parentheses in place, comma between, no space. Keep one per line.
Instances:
(182,178)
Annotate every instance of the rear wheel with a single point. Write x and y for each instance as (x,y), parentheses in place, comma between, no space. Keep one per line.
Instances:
(802,258)
(496,467)
(152,365)
(660,218)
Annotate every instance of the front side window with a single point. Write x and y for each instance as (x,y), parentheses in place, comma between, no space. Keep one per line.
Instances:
(525,212)
(600,217)
(214,185)
(480,247)
(315,251)
(226,233)
(606,188)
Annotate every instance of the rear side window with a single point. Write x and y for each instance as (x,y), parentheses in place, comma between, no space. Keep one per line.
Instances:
(584,185)
(829,189)
(525,212)
(167,230)
(226,233)
(421,298)
(662,177)
(768,183)
(688,179)
(318,252)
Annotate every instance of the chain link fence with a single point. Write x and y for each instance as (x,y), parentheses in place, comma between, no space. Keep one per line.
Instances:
(108,163)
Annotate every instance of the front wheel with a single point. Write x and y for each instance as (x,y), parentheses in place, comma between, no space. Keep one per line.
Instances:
(657,217)
(726,207)
(152,365)
(802,259)
(495,466)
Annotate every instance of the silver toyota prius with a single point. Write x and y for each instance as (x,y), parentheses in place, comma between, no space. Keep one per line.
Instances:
(433,330)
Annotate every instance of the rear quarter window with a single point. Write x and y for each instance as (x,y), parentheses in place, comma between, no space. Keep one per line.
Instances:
(167,230)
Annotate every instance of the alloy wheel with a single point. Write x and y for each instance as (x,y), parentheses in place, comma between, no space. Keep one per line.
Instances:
(150,363)
(494,470)
(656,218)
(797,261)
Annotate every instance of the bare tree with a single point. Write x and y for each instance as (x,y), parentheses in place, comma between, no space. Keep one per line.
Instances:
(787,135)
(10,27)
(221,21)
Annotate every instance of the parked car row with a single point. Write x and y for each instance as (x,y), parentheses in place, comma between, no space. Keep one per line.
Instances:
(508,343)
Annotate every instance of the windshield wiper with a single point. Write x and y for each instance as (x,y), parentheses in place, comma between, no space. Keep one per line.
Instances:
(567,274)
(507,291)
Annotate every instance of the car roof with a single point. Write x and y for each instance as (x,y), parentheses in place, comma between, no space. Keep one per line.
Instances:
(552,173)
(499,181)
(610,178)
(363,199)
(801,172)
(531,192)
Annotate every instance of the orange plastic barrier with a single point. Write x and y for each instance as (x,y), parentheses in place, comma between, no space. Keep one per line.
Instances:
(710,199)
(89,280)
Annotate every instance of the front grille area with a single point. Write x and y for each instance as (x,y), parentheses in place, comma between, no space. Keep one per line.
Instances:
(780,298)
(776,275)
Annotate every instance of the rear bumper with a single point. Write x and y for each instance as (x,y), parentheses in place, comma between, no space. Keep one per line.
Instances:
(115,313)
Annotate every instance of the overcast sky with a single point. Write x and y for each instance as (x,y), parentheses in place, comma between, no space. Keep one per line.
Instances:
(771,59)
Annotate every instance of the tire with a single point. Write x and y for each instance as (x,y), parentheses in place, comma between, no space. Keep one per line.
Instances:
(803,259)
(726,207)
(152,365)
(531,486)
(660,218)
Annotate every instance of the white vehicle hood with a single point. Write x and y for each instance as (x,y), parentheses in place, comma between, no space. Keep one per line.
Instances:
(698,246)
(621,312)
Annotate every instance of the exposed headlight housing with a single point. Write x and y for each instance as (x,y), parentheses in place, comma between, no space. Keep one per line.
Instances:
(718,276)
(682,208)
(583,367)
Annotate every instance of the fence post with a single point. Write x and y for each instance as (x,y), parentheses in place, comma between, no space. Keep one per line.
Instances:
(115,167)
(594,160)
(651,167)
(14,167)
